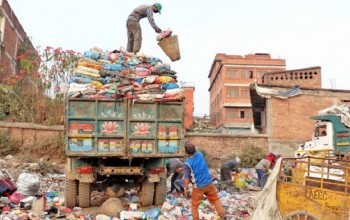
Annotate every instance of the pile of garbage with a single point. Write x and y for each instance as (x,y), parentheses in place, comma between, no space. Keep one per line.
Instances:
(30,193)
(119,74)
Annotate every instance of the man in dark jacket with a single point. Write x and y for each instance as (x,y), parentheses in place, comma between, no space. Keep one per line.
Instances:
(228,167)
(197,171)
(174,166)
(134,28)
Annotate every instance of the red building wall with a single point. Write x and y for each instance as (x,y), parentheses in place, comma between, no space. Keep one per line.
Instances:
(12,36)
(233,74)
(189,106)
(306,77)
(288,120)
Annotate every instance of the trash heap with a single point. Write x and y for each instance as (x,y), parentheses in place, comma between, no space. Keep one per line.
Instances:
(237,205)
(22,198)
(119,74)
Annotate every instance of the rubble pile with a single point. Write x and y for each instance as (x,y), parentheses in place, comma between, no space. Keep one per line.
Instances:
(119,74)
(202,125)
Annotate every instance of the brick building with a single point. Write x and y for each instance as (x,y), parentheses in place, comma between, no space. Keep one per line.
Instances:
(286,120)
(230,77)
(307,77)
(12,35)
(189,88)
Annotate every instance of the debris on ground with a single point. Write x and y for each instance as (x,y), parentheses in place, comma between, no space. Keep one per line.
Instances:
(48,201)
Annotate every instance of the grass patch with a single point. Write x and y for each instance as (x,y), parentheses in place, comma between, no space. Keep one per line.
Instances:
(8,145)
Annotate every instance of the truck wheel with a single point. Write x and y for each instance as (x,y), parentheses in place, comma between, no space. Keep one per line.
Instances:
(297,215)
(147,193)
(160,192)
(84,195)
(70,193)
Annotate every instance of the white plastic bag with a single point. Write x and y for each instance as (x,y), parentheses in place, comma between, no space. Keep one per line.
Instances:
(28,184)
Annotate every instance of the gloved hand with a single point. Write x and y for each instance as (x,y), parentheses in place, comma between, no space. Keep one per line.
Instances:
(158,30)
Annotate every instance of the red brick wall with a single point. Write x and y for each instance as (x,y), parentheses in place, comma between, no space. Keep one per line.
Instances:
(219,148)
(35,138)
(288,120)
(13,35)
(220,83)
(189,106)
(308,77)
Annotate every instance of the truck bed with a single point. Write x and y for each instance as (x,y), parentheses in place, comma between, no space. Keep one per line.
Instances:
(124,128)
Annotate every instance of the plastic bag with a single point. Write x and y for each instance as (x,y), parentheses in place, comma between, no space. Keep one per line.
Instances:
(167,86)
(28,184)
(240,180)
(164,34)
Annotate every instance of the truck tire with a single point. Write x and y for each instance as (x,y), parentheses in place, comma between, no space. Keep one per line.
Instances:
(70,193)
(84,195)
(147,193)
(301,215)
(160,192)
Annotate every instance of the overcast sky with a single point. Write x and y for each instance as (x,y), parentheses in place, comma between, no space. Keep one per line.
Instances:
(304,32)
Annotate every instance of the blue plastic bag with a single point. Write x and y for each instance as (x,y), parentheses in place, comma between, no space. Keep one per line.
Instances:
(166,86)
(152,213)
(92,55)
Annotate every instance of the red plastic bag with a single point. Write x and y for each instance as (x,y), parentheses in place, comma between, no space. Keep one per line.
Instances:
(8,183)
(16,197)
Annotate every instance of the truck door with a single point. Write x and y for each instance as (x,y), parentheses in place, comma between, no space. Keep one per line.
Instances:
(322,136)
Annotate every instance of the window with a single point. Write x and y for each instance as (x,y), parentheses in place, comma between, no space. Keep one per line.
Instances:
(232,73)
(238,113)
(245,93)
(247,74)
(241,114)
(321,131)
(232,92)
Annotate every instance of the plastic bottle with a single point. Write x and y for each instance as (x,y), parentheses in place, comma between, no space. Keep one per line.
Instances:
(152,213)
(125,215)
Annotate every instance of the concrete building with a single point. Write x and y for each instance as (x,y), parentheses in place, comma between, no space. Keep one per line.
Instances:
(230,77)
(12,35)
(284,116)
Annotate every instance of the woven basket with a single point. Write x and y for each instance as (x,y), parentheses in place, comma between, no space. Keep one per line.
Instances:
(170,45)
(111,207)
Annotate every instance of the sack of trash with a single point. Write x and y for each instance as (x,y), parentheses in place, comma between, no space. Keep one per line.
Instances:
(28,184)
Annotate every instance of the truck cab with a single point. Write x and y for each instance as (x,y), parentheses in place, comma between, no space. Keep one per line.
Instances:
(329,134)
(322,137)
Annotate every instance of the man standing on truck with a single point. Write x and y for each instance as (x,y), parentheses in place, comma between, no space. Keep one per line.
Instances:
(196,170)
(134,28)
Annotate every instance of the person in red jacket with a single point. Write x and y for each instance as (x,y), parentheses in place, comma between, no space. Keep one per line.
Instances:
(263,167)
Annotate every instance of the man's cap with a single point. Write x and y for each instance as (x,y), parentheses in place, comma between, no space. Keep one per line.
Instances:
(159,7)
(238,160)
(190,148)
(189,144)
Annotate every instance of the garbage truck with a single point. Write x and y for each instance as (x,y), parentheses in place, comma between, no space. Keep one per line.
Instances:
(330,133)
(121,142)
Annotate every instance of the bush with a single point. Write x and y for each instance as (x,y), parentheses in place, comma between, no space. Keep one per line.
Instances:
(8,145)
(251,155)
